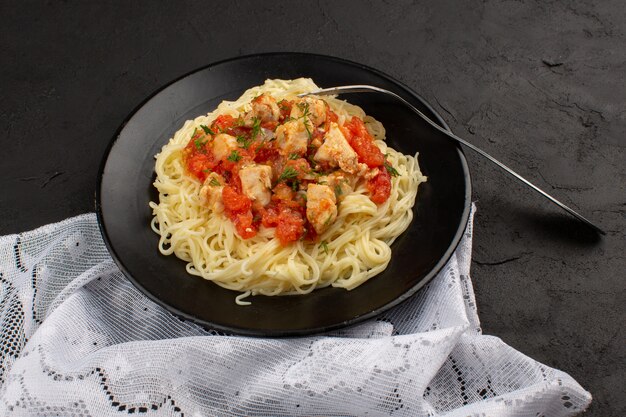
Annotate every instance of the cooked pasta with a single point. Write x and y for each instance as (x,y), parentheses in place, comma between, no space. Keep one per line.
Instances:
(261,202)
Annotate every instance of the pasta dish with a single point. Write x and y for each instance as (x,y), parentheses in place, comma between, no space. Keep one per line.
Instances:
(275,194)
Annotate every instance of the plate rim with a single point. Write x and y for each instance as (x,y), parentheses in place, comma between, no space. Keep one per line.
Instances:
(282,333)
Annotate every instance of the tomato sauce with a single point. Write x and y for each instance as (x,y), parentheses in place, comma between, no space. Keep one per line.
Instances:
(256,144)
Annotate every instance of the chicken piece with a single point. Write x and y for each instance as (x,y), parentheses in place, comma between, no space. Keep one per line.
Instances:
(224,145)
(314,108)
(264,108)
(340,182)
(292,138)
(211,192)
(371,173)
(321,206)
(256,181)
(336,151)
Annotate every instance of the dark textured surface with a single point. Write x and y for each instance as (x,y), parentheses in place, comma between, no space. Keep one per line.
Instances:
(538,84)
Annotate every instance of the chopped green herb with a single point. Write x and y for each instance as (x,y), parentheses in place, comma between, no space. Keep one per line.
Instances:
(294,156)
(234,156)
(304,108)
(206,171)
(306,127)
(214,182)
(295,185)
(198,142)
(256,127)
(256,218)
(338,189)
(322,182)
(392,171)
(207,130)
(287,174)
(324,246)
(243,141)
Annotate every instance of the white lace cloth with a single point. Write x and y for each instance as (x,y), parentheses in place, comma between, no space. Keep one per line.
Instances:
(79,340)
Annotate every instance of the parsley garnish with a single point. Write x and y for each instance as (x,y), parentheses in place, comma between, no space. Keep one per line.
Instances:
(338,189)
(207,130)
(295,184)
(392,171)
(294,156)
(245,143)
(234,156)
(324,246)
(304,108)
(256,127)
(198,142)
(214,182)
(288,174)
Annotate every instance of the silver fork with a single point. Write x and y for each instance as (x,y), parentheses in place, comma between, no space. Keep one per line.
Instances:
(371,89)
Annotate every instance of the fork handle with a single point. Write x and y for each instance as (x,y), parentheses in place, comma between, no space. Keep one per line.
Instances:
(371,89)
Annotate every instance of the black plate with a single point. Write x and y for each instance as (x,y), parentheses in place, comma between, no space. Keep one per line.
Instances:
(125,188)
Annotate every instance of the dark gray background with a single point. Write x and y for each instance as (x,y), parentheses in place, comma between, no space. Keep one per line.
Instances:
(538,84)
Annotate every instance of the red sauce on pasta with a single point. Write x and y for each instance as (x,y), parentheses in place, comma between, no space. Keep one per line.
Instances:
(260,166)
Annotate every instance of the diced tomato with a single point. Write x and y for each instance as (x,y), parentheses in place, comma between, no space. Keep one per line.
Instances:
(223,122)
(269,216)
(331,117)
(197,155)
(318,134)
(244,224)
(235,202)
(270,125)
(290,226)
(380,187)
(363,143)
(311,234)
(284,196)
(264,153)
(200,165)
(237,207)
